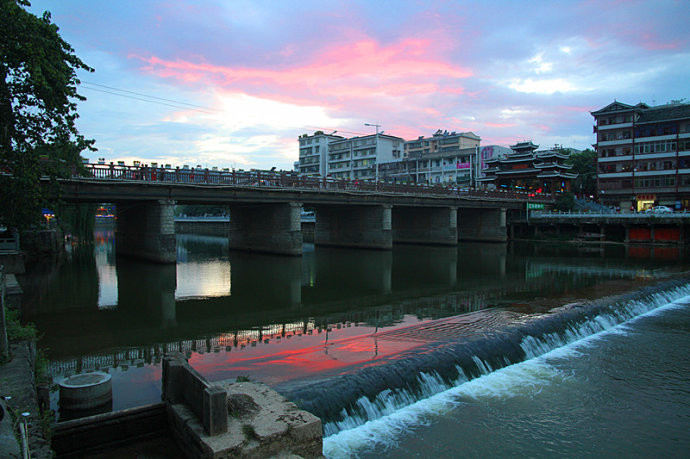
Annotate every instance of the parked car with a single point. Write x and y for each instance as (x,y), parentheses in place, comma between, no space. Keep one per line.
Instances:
(660,209)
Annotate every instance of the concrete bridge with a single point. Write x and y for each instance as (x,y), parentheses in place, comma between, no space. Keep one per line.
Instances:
(265,209)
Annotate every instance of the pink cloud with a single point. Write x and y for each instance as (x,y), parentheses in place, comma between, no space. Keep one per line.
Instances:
(651,43)
(354,70)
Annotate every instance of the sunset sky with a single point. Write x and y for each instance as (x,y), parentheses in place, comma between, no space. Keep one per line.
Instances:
(233,83)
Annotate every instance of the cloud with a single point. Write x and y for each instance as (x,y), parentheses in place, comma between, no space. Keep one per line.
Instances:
(357,70)
(544,86)
(273,70)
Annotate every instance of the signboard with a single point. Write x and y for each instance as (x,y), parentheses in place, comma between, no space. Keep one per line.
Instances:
(535,206)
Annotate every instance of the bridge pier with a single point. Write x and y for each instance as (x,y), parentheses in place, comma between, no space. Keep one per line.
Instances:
(425,225)
(267,228)
(484,225)
(359,226)
(146,230)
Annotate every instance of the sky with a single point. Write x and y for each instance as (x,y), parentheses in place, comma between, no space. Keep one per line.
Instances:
(233,83)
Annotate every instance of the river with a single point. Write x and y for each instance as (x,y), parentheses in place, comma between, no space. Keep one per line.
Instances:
(418,351)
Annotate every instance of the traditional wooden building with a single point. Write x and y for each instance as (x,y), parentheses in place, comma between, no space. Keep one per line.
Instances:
(526,169)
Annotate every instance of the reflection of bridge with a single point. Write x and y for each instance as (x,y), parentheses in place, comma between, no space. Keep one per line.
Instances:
(266,207)
(379,317)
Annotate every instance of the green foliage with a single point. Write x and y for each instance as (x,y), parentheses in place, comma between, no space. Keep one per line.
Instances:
(565,202)
(41,368)
(15,330)
(38,110)
(242,378)
(584,164)
(47,421)
(78,220)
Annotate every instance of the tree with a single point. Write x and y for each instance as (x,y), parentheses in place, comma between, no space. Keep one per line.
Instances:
(565,202)
(38,110)
(584,164)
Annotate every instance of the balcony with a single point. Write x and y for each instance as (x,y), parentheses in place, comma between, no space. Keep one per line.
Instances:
(602,127)
(615,175)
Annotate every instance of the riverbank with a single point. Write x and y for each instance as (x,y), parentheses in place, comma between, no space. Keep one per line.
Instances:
(18,386)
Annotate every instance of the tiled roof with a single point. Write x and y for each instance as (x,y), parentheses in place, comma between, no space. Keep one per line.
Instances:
(664,112)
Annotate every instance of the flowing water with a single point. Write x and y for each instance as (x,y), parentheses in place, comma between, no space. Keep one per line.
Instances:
(477,350)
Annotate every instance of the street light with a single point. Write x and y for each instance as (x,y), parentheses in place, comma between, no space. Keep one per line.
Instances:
(377,126)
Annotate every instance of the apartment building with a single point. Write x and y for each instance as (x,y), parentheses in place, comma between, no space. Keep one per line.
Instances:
(359,157)
(313,152)
(643,155)
(330,155)
(445,157)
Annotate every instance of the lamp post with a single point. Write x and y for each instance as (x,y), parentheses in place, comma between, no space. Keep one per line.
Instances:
(377,126)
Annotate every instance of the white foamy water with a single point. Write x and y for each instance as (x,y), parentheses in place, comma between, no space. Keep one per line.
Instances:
(384,420)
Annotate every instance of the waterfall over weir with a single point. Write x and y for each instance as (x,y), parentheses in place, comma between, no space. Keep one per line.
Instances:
(456,352)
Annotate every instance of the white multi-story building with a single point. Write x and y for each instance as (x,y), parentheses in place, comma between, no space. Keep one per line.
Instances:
(354,158)
(359,157)
(313,152)
(445,157)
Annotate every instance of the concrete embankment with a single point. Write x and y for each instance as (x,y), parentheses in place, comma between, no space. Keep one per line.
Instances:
(197,419)
(18,388)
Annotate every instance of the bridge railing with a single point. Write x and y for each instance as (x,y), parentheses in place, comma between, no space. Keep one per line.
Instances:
(291,180)
(576,215)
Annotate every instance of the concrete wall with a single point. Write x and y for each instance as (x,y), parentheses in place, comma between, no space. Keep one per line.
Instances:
(269,228)
(358,226)
(484,225)
(425,225)
(146,230)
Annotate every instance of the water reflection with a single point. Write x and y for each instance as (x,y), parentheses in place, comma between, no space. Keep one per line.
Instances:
(277,317)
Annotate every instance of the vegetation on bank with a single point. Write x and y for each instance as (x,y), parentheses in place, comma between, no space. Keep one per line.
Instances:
(584,165)
(17,332)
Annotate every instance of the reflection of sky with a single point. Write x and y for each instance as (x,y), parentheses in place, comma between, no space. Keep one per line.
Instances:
(204,278)
(209,278)
(276,359)
(107,274)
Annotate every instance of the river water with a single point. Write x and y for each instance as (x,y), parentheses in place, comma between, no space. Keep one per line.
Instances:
(419,351)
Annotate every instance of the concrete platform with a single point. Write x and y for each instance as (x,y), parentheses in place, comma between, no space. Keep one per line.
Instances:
(261,423)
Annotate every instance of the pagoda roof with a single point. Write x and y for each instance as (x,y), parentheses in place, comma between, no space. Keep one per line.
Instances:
(519,158)
(524,145)
(552,174)
(516,171)
(551,154)
(553,165)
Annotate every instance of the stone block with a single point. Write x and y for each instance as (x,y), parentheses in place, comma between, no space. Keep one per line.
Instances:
(215,410)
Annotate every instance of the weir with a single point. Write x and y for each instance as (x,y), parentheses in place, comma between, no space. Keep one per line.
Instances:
(457,349)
